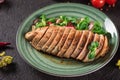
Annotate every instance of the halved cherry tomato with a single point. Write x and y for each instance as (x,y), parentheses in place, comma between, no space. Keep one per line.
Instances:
(98,3)
(111,2)
(49,22)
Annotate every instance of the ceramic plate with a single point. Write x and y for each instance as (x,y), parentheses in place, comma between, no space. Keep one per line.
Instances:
(65,67)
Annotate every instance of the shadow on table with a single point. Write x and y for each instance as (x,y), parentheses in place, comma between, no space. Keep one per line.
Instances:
(11,68)
(44,76)
(6,5)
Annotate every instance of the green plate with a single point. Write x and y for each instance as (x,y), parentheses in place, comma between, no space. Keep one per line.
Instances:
(65,67)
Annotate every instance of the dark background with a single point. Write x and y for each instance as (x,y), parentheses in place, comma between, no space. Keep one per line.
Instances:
(13,13)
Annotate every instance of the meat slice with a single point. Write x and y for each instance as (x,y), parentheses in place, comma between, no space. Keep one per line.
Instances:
(96,39)
(36,39)
(67,43)
(73,44)
(61,42)
(48,43)
(56,40)
(105,48)
(30,35)
(85,50)
(45,38)
(101,43)
(81,44)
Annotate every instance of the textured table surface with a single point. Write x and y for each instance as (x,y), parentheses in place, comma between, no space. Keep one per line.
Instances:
(13,13)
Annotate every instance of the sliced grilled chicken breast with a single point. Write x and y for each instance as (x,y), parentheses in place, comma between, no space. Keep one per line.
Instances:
(61,42)
(48,43)
(85,50)
(73,44)
(67,43)
(105,48)
(45,38)
(56,40)
(81,44)
(96,39)
(40,34)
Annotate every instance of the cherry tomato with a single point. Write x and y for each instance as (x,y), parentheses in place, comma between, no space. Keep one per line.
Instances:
(49,22)
(1,1)
(98,3)
(111,2)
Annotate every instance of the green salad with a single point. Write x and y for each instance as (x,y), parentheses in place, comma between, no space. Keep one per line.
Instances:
(74,22)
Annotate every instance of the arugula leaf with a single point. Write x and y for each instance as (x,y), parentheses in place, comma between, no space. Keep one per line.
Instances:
(39,24)
(51,19)
(73,20)
(108,35)
(98,28)
(92,48)
(42,21)
(43,17)
(83,25)
(64,21)
(91,55)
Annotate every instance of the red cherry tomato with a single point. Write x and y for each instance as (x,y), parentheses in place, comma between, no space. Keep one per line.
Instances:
(111,2)
(98,3)
(1,1)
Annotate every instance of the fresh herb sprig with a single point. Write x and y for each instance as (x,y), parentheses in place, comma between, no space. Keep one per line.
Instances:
(97,28)
(92,48)
(83,24)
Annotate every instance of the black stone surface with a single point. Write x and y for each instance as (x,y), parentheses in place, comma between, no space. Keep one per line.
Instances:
(13,13)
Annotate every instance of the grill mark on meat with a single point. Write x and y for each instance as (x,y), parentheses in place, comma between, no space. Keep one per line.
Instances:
(67,43)
(48,43)
(85,50)
(56,40)
(40,34)
(61,42)
(45,38)
(73,44)
(81,44)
